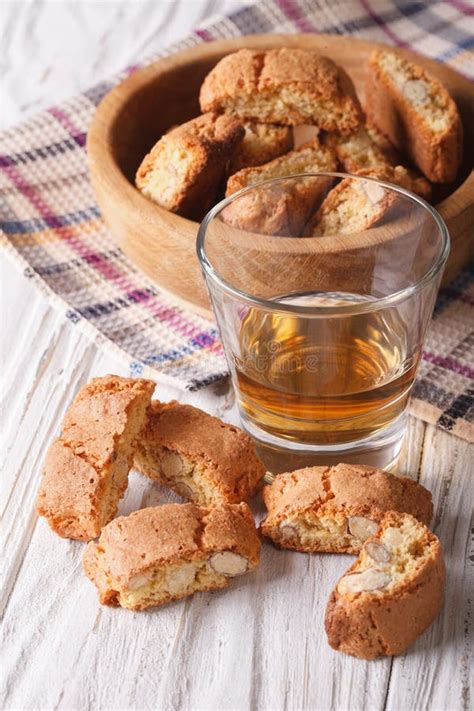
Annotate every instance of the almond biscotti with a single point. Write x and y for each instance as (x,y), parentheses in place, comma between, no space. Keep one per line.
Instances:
(335,509)
(391,594)
(286,86)
(184,169)
(200,457)
(281,209)
(86,468)
(417,114)
(261,144)
(168,552)
(359,153)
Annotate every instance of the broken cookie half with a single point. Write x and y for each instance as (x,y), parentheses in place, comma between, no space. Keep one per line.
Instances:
(336,509)
(168,552)
(86,468)
(391,594)
(201,458)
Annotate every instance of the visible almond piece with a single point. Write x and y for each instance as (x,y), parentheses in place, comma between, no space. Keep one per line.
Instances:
(416,91)
(377,552)
(288,530)
(138,581)
(374,192)
(392,537)
(171,464)
(368,580)
(361,527)
(228,563)
(181,578)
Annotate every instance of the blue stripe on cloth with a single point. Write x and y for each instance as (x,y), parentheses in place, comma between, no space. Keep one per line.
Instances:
(48,151)
(39,225)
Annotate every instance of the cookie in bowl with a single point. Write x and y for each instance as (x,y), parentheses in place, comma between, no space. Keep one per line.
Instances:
(415,111)
(391,594)
(201,458)
(287,86)
(335,509)
(284,208)
(164,553)
(183,171)
(262,142)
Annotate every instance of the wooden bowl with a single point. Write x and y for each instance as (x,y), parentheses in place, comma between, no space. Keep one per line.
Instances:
(133,116)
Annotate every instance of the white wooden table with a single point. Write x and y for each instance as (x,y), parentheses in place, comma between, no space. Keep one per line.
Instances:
(259,645)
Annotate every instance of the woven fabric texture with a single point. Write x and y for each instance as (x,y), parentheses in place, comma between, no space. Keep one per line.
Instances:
(52,226)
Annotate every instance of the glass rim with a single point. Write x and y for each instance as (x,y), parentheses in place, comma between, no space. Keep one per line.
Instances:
(356,308)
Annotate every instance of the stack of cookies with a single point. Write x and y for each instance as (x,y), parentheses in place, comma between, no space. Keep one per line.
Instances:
(256,102)
(168,552)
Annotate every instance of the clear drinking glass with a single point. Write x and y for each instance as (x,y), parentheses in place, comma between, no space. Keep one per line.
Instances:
(323,312)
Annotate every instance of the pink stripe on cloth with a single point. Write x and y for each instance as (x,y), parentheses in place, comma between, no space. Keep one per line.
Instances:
(385,28)
(449,363)
(65,120)
(96,261)
(296,15)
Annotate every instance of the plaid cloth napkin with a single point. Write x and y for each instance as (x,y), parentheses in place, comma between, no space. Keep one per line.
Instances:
(53,228)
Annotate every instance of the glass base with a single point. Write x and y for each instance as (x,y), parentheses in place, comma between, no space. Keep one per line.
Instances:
(382,449)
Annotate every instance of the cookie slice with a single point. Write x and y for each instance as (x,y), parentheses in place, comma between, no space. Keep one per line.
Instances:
(168,552)
(286,86)
(86,468)
(414,110)
(335,509)
(200,457)
(184,169)
(391,594)
(261,144)
(282,208)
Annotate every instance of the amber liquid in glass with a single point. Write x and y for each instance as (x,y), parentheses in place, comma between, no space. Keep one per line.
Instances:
(323,380)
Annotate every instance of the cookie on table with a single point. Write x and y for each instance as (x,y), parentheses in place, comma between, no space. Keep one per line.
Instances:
(391,594)
(261,144)
(200,457)
(415,111)
(286,86)
(168,552)
(335,509)
(86,468)
(284,208)
(183,170)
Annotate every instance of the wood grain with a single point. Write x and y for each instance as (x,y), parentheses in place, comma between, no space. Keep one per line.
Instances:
(133,116)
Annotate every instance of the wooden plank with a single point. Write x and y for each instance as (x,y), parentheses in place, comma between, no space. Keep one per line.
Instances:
(436,673)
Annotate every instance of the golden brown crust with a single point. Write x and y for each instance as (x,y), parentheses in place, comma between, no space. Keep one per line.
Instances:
(315,495)
(287,86)
(261,144)
(281,209)
(414,110)
(222,457)
(154,538)
(352,206)
(386,621)
(86,468)
(183,170)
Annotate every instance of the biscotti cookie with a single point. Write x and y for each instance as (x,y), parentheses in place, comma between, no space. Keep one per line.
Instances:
(200,457)
(352,206)
(335,509)
(183,170)
(391,594)
(164,553)
(86,468)
(261,144)
(283,208)
(414,110)
(287,86)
